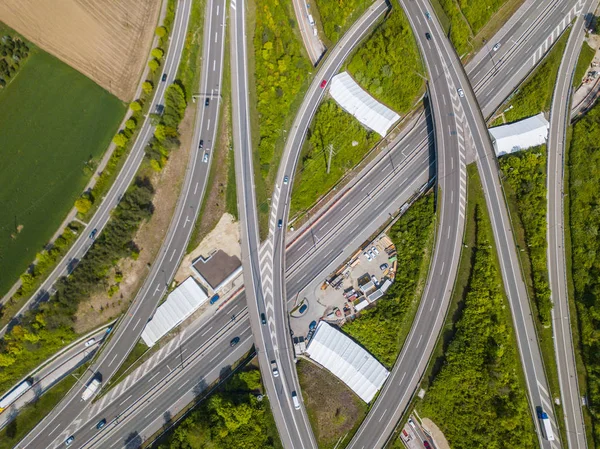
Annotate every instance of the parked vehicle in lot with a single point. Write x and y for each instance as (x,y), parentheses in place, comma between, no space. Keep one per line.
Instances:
(234,342)
(91,389)
(90,342)
(303,308)
(274,368)
(323,84)
(369,255)
(375,250)
(383,266)
(214,299)
(312,325)
(101,424)
(295,400)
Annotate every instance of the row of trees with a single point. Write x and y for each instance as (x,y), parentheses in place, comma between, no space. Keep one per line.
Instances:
(388,64)
(281,70)
(525,173)
(229,419)
(43,331)
(13,52)
(584,209)
(378,328)
(476,398)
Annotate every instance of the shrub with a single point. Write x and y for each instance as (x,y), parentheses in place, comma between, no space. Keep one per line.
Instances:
(157,53)
(83,204)
(135,106)
(147,87)
(120,139)
(154,65)
(160,31)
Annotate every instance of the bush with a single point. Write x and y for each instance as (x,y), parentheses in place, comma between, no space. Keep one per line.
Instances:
(135,106)
(83,204)
(476,398)
(120,139)
(157,53)
(154,65)
(388,63)
(338,16)
(147,87)
(378,329)
(160,31)
(131,124)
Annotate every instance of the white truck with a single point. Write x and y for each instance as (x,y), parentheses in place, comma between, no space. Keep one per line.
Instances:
(311,21)
(91,389)
(546,426)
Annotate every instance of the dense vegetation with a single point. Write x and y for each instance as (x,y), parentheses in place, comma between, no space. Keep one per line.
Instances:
(583,63)
(476,398)
(230,419)
(281,70)
(525,173)
(467,18)
(13,53)
(52,139)
(350,141)
(388,64)
(535,95)
(378,329)
(338,15)
(43,331)
(584,209)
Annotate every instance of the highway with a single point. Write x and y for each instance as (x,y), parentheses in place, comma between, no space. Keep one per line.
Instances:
(557,270)
(127,173)
(173,248)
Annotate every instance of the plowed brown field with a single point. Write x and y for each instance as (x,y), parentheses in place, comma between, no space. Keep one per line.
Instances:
(107,40)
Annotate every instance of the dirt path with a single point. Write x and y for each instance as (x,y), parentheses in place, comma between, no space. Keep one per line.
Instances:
(106,40)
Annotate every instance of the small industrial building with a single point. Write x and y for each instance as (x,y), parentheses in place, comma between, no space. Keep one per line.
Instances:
(217,269)
(521,135)
(356,101)
(351,363)
(180,304)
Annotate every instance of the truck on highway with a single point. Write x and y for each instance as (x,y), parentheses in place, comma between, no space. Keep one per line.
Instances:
(546,425)
(91,389)
(14,394)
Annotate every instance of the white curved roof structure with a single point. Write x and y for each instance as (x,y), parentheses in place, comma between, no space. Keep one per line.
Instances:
(352,364)
(527,133)
(356,101)
(180,304)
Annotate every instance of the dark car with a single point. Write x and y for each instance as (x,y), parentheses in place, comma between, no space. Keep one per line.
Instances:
(383,266)
(201,145)
(234,342)
(428,36)
(164,77)
(207,102)
(263,318)
(101,424)
(280,223)
(312,325)
(303,308)
(93,233)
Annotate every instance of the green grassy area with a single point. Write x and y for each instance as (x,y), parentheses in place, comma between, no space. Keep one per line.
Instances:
(383,328)
(388,64)
(331,126)
(535,94)
(583,63)
(191,57)
(230,418)
(583,258)
(334,420)
(30,415)
(337,17)
(475,380)
(52,137)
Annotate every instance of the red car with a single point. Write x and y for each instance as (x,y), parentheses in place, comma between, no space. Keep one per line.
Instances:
(323,84)
(426,444)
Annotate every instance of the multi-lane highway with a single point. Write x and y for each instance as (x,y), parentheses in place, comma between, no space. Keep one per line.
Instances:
(127,173)
(162,271)
(557,270)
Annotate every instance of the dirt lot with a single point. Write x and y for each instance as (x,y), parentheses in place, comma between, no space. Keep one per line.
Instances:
(334,411)
(100,308)
(106,40)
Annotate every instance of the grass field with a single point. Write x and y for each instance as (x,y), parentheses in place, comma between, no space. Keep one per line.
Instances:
(585,59)
(54,121)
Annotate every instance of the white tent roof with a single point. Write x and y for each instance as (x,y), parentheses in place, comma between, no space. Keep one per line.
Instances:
(527,133)
(180,304)
(348,361)
(354,100)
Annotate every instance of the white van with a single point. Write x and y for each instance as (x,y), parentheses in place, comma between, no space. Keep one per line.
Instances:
(296,401)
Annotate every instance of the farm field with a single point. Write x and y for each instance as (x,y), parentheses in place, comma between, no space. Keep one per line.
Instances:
(106,40)
(53,121)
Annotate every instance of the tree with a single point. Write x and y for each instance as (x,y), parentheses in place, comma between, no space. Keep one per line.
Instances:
(157,53)
(120,139)
(83,204)
(154,65)
(135,106)
(147,86)
(131,123)
(160,31)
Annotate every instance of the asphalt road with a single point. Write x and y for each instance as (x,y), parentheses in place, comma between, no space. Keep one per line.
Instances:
(127,173)
(162,271)
(557,271)
(313,45)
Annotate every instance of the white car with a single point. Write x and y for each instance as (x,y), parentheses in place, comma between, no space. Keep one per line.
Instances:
(205,158)
(369,255)
(375,251)
(286,179)
(90,342)
(461,93)
(496,47)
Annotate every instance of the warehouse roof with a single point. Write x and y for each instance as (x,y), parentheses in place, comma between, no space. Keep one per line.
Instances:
(356,101)
(352,364)
(527,133)
(180,304)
